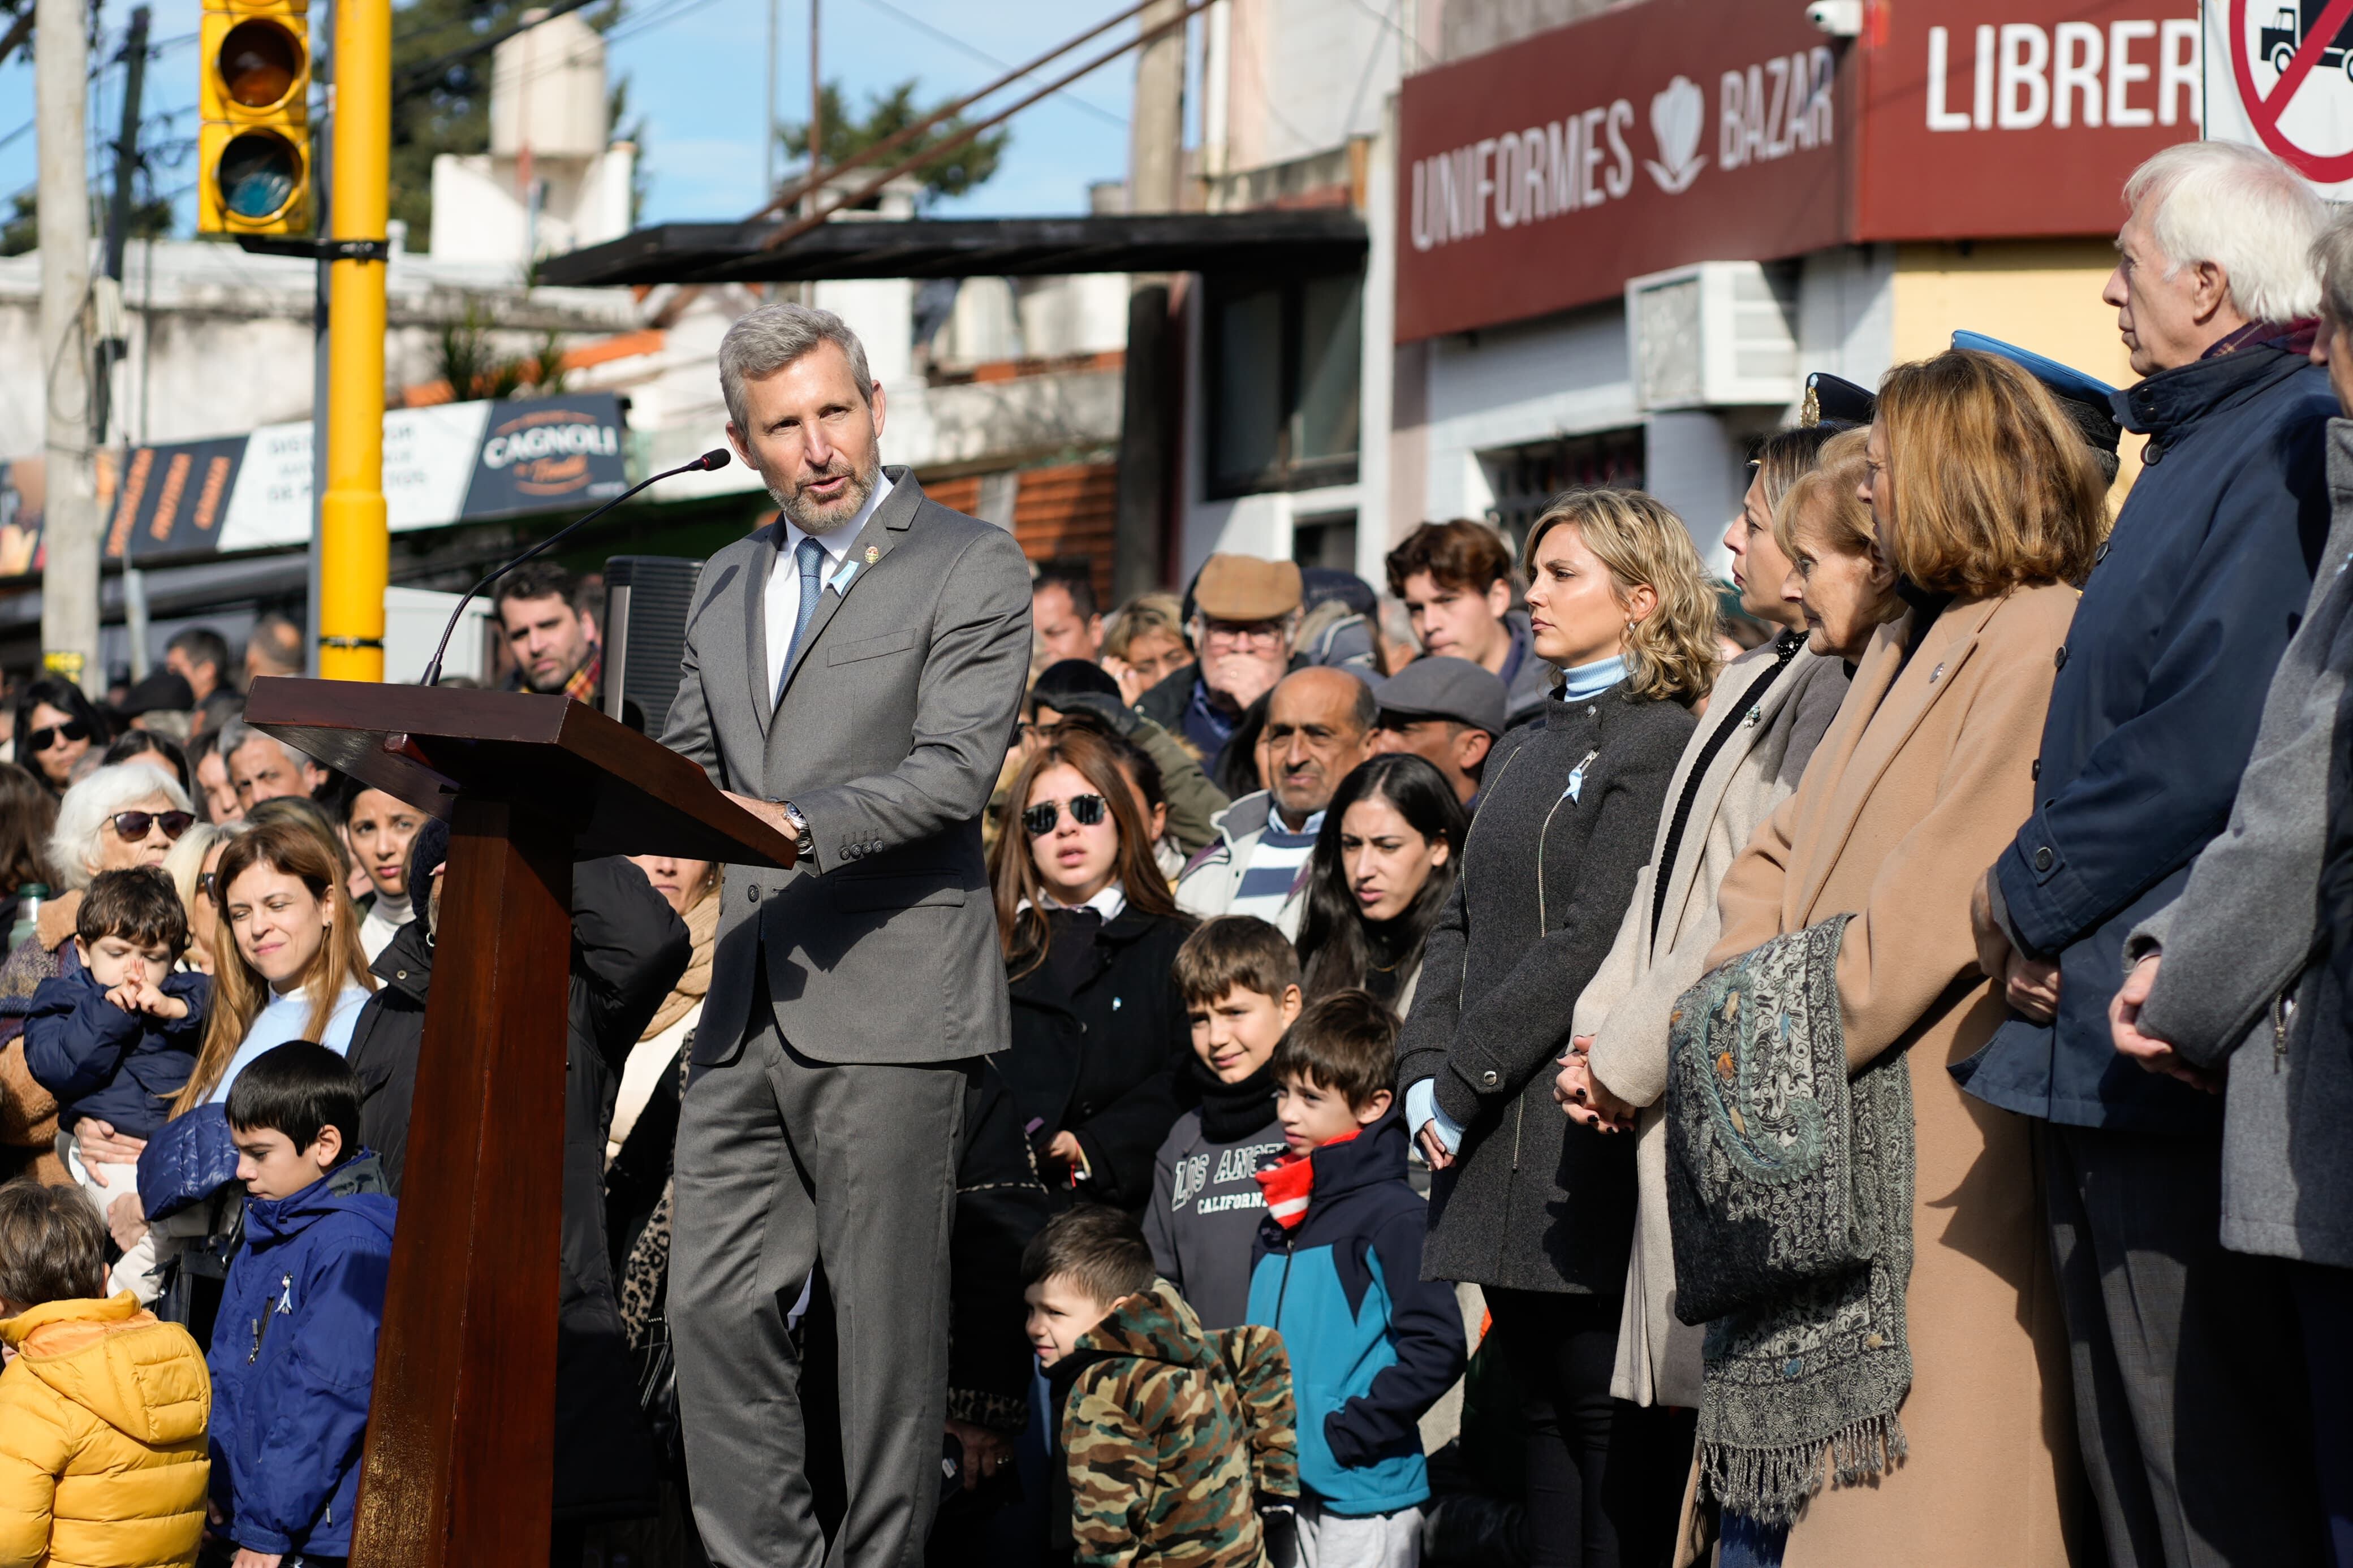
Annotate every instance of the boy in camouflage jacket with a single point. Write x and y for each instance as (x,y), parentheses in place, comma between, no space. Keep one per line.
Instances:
(1174,1437)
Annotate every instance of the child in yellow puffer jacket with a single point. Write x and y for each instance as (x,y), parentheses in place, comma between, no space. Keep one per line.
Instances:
(102,1408)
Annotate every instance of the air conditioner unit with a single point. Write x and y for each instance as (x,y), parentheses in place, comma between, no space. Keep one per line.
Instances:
(1712,335)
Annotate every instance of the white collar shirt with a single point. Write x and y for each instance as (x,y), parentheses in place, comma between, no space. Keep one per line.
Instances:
(783,606)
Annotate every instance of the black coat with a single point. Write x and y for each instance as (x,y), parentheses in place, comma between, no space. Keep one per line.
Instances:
(628,947)
(1532,1200)
(1100,1059)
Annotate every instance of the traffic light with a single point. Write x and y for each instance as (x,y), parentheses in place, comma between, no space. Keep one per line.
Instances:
(254,146)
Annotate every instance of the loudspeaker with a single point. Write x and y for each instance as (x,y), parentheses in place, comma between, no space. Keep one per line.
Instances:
(647,601)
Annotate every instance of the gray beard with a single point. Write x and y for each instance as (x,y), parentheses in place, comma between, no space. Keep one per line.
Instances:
(801,516)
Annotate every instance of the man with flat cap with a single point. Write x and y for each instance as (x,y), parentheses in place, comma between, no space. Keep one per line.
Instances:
(1447,711)
(1246,614)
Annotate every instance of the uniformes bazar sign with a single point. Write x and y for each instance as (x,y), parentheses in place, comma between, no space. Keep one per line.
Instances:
(1543,175)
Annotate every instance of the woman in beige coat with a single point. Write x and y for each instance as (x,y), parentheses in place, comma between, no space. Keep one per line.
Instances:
(1764,718)
(1985,505)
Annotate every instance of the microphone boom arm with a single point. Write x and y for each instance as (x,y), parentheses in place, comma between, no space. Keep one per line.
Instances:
(714,459)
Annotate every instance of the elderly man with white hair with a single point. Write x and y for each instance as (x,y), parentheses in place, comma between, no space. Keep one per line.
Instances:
(2188,1387)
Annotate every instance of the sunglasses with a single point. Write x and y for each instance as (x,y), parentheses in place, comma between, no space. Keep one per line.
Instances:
(132,826)
(72,730)
(1086,810)
(209,881)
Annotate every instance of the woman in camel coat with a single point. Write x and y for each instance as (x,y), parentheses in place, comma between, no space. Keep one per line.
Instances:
(1763,722)
(1987,504)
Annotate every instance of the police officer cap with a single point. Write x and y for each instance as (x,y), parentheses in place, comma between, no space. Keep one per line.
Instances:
(2086,402)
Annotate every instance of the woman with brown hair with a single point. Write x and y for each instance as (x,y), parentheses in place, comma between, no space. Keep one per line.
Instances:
(1910,1407)
(1535,1210)
(293,969)
(27,815)
(1090,935)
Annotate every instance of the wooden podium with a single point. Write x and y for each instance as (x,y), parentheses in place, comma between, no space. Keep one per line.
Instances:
(460,1461)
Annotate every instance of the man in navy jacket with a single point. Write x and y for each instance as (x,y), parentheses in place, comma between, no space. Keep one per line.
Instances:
(2185,1374)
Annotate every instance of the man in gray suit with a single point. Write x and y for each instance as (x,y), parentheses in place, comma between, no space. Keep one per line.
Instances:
(852,674)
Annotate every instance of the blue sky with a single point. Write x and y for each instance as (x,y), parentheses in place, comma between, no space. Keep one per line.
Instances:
(697,72)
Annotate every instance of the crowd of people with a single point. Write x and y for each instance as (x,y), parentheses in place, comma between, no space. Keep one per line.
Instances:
(1842,1067)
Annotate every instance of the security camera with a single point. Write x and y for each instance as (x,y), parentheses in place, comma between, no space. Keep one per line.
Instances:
(1839,19)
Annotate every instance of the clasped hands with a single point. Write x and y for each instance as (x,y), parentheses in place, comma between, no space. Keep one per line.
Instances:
(1585,1097)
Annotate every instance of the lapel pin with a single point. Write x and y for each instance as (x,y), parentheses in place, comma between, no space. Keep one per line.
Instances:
(1755,716)
(873,554)
(1935,673)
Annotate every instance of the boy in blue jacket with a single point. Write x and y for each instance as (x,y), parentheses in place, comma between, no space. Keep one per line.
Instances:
(293,1351)
(115,1038)
(1337,1271)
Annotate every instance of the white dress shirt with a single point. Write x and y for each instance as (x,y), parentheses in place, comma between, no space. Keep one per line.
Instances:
(784,601)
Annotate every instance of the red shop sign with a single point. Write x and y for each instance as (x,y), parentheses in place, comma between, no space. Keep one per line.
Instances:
(1543,175)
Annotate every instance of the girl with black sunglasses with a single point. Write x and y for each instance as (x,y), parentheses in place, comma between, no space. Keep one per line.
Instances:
(56,726)
(1090,935)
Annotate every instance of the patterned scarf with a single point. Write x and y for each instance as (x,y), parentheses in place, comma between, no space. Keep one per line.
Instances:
(1790,1195)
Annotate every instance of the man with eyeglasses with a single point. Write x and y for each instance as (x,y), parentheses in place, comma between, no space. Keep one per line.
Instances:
(1246,613)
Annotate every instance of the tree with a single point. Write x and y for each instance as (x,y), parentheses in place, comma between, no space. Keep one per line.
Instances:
(888,113)
(20,231)
(451,112)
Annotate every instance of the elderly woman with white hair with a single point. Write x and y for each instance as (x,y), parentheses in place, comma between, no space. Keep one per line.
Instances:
(118,817)
(2188,1381)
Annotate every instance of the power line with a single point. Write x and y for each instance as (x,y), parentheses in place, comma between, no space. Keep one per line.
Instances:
(986,58)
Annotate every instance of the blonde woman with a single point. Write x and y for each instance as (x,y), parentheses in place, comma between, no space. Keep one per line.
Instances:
(1538,1211)
(292,968)
(1771,709)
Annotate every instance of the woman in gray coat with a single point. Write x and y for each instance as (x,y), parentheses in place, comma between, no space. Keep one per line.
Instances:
(2235,987)
(1537,1211)
(1769,711)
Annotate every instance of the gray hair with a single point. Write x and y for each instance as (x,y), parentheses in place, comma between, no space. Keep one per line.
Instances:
(2242,209)
(237,733)
(87,808)
(773,337)
(2332,256)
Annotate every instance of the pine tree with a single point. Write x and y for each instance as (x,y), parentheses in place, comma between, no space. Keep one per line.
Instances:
(888,113)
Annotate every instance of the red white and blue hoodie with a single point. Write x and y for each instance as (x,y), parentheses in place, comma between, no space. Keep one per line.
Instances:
(1336,1269)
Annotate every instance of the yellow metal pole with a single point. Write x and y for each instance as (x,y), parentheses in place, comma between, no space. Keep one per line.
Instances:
(355,549)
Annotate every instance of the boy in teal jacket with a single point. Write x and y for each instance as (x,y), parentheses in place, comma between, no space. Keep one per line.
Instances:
(1337,1271)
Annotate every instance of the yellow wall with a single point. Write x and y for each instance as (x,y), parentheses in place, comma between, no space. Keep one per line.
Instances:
(2043,295)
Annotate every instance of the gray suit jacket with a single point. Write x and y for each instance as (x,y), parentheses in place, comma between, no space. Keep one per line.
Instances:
(881,946)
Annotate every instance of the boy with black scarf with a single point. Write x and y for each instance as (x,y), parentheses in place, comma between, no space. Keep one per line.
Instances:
(1240,979)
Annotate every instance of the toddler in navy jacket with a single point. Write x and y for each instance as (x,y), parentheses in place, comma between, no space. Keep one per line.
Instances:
(293,1350)
(115,1035)
(1337,1271)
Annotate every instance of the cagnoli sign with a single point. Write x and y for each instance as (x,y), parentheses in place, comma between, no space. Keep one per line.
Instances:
(1543,175)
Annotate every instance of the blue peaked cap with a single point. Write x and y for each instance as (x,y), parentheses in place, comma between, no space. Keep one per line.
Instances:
(2064,381)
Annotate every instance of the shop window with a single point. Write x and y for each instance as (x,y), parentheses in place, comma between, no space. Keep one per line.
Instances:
(1284,361)
(1526,478)
(1328,539)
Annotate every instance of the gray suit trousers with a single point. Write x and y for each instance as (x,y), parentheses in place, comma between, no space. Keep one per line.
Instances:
(2189,1384)
(784,1161)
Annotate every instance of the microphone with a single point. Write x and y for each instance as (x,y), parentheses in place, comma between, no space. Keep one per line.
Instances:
(710,462)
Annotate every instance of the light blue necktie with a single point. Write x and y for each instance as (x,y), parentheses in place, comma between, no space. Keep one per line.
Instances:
(809,555)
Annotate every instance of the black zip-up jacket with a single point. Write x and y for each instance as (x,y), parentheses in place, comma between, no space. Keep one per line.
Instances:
(628,947)
(1532,1200)
(1100,1058)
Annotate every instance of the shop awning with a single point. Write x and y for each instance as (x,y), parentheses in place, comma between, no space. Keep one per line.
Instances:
(1310,239)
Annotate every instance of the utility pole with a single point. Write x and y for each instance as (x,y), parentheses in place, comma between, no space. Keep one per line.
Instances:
(69,520)
(1156,162)
(768,148)
(354,547)
(816,108)
(112,349)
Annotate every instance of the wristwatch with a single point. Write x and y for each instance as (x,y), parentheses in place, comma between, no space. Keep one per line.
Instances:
(804,842)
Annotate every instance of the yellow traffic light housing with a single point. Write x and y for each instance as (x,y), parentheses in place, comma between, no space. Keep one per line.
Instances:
(253,146)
